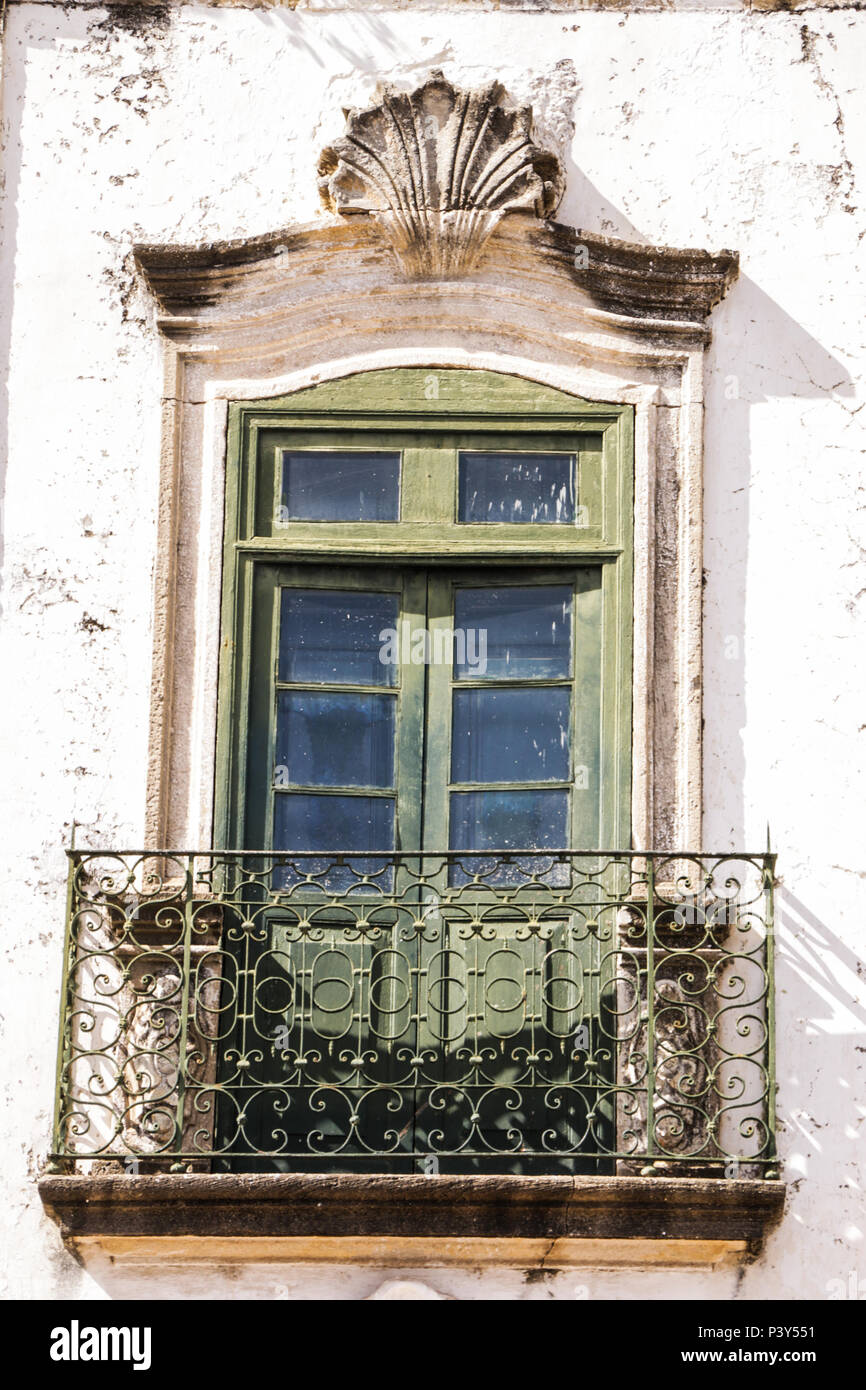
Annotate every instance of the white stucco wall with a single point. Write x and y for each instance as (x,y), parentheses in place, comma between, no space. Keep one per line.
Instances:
(691,127)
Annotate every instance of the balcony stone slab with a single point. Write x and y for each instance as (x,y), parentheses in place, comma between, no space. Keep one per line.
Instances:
(392,1221)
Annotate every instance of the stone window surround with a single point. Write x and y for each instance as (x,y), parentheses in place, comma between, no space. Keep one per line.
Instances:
(444,279)
(601,320)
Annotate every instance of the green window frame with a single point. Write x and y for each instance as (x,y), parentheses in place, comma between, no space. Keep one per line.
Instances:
(429,416)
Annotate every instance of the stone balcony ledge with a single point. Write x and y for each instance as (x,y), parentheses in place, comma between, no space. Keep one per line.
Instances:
(391,1220)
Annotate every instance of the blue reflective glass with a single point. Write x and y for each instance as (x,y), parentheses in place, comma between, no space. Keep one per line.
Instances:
(510,735)
(331,824)
(335,485)
(512,487)
(307,821)
(521,632)
(328,739)
(509,820)
(333,636)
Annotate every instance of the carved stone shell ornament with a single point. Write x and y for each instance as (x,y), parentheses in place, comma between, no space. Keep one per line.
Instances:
(437,169)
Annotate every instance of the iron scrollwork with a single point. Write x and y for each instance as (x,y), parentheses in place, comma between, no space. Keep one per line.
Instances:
(557,1012)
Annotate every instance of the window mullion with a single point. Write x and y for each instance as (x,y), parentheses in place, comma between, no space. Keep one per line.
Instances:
(429,481)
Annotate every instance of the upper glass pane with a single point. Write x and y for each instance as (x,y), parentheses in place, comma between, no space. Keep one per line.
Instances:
(512,734)
(334,637)
(330,738)
(538,488)
(521,632)
(337,485)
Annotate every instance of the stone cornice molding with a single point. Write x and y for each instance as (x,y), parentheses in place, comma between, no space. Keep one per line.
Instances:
(640,283)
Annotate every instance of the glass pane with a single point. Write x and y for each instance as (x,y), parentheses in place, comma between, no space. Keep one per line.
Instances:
(334,636)
(332,824)
(517,487)
(509,820)
(520,632)
(333,485)
(510,735)
(306,821)
(326,739)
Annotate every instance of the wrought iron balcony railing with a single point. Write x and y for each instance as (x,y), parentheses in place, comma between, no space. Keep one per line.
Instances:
(497,1012)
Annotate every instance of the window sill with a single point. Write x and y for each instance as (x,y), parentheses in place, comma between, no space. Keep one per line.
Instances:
(517,1222)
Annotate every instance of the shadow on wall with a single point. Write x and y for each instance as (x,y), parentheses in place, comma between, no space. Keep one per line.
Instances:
(356,49)
(758,353)
(821,1066)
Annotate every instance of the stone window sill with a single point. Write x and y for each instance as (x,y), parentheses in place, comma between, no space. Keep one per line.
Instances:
(384,1220)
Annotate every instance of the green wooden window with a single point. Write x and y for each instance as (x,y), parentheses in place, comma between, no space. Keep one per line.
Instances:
(448,507)
(426,648)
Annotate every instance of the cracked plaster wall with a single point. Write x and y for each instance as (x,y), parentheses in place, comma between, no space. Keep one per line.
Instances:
(723,127)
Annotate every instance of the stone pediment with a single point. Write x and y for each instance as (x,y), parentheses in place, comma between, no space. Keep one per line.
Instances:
(436,185)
